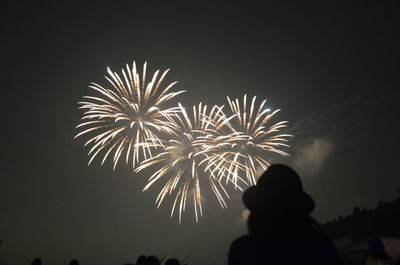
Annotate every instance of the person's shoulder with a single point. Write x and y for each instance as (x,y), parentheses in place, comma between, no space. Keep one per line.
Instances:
(243,249)
(242,241)
(323,238)
(327,249)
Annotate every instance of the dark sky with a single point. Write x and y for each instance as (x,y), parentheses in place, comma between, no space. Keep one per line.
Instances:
(332,68)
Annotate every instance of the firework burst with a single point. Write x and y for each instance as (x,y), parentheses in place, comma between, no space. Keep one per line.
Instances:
(246,142)
(127,118)
(189,151)
(182,165)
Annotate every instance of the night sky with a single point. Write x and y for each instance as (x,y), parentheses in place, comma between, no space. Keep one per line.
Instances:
(332,68)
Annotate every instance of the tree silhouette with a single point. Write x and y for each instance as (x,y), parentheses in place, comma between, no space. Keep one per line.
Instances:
(356,210)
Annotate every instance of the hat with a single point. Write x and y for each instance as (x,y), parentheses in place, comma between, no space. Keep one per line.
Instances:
(278,188)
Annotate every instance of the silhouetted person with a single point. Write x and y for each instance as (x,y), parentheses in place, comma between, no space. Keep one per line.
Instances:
(281,232)
(141,260)
(74,262)
(152,260)
(36,261)
(172,261)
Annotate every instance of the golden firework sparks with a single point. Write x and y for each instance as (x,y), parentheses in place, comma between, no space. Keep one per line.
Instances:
(247,141)
(180,165)
(190,152)
(127,118)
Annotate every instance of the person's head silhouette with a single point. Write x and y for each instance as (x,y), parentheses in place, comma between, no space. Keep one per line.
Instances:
(36,261)
(172,261)
(74,262)
(277,198)
(141,260)
(279,214)
(152,260)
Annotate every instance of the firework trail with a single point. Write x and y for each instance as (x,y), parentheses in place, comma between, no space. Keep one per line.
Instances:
(128,117)
(248,139)
(182,165)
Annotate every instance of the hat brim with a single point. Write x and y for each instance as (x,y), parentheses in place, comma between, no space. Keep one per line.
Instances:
(254,200)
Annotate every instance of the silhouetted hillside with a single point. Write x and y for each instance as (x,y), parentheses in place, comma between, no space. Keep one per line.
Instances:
(366,224)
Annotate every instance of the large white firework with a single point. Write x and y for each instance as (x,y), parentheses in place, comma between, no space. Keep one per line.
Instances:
(236,155)
(128,116)
(182,166)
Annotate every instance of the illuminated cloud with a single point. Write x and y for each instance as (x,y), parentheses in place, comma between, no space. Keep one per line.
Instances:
(311,157)
(243,217)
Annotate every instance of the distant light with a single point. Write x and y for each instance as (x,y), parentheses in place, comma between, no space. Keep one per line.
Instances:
(268,110)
